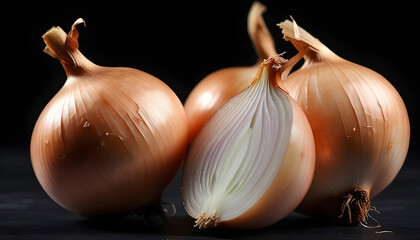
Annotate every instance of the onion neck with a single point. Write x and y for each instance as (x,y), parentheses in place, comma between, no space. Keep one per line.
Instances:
(259,33)
(270,69)
(79,64)
(65,48)
(277,68)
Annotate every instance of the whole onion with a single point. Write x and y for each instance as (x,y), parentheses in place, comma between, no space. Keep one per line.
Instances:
(360,125)
(112,138)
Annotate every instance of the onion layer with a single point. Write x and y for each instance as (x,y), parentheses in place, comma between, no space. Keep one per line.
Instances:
(253,161)
(111,140)
(360,125)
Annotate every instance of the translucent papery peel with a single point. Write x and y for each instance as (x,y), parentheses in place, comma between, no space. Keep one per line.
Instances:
(253,161)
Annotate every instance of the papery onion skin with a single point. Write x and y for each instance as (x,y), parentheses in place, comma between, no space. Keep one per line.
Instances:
(110,140)
(218,87)
(360,125)
(288,187)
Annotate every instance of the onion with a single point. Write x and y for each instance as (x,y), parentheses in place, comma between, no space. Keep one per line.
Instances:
(252,162)
(111,140)
(360,125)
(217,88)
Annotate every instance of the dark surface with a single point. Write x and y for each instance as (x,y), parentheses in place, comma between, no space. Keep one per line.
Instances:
(180,42)
(26,212)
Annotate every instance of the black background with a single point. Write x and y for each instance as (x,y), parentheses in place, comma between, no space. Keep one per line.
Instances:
(180,42)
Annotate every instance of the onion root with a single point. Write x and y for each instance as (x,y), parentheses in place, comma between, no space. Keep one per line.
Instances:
(204,221)
(357,206)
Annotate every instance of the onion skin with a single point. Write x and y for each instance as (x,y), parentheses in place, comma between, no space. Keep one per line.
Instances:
(111,139)
(218,87)
(360,125)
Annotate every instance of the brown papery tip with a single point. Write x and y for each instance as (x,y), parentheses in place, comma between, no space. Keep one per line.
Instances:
(58,42)
(356,207)
(204,221)
(55,39)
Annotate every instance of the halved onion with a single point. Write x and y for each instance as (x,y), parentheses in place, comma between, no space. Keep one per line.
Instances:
(253,162)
